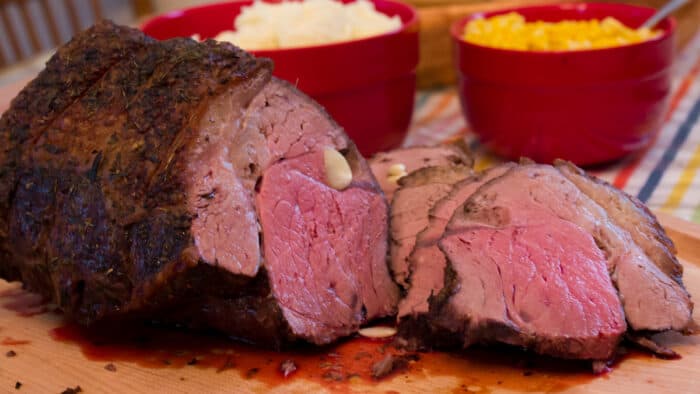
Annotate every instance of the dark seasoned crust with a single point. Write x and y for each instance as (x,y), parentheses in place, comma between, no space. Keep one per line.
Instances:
(102,183)
(66,78)
(426,331)
(435,174)
(239,306)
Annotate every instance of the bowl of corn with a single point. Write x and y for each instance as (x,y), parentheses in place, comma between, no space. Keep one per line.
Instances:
(574,81)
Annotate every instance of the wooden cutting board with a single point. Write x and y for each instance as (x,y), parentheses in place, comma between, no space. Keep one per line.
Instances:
(43,364)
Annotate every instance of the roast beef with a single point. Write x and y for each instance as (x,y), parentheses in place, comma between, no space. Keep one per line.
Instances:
(531,194)
(533,261)
(415,158)
(179,181)
(426,263)
(417,194)
(631,215)
(542,286)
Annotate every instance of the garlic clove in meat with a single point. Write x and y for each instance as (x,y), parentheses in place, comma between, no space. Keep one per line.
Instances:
(338,172)
(396,172)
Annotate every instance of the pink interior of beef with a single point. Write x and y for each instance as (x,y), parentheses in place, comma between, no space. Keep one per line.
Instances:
(225,226)
(427,262)
(292,124)
(409,217)
(427,278)
(652,300)
(530,195)
(546,280)
(324,249)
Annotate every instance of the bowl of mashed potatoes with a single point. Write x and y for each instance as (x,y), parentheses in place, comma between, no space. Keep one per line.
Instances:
(575,81)
(357,58)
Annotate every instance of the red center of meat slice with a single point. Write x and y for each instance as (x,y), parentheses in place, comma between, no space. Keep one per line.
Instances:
(547,282)
(324,249)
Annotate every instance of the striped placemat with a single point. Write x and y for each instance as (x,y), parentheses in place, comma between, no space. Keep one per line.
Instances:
(664,176)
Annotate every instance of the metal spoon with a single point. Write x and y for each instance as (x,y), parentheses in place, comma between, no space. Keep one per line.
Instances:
(662,12)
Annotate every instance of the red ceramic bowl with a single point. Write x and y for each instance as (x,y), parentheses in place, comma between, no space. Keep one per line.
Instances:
(367,85)
(589,106)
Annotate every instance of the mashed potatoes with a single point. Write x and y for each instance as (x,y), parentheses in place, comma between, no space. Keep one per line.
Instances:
(306,23)
(511,31)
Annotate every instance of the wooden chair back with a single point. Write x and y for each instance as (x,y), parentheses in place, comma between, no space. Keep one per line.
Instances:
(23,34)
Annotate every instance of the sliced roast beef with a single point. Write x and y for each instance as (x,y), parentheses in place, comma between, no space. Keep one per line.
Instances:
(388,167)
(323,249)
(426,261)
(533,194)
(631,215)
(417,194)
(544,286)
(146,189)
(532,261)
